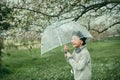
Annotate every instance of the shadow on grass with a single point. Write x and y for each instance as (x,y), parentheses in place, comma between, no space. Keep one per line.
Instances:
(4,72)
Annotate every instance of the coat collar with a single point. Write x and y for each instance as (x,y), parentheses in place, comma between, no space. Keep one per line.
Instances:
(77,50)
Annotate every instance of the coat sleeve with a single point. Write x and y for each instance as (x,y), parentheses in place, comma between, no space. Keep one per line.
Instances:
(80,64)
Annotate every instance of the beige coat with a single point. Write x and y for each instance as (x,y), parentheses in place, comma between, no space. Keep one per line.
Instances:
(81,64)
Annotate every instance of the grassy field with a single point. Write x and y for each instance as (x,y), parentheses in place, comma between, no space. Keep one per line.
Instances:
(30,65)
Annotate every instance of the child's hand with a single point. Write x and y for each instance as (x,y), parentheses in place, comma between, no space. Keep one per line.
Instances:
(68,54)
(66,48)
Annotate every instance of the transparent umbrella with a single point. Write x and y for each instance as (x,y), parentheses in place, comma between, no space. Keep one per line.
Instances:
(60,33)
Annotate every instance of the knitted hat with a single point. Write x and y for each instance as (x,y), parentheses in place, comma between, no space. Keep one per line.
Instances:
(78,33)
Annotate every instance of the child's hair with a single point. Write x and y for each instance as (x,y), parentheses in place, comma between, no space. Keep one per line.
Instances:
(84,40)
(78,33)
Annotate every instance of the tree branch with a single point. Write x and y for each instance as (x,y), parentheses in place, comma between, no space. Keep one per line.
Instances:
(44,14)
(96,30)
(22,8)
(112,7)
(96,6)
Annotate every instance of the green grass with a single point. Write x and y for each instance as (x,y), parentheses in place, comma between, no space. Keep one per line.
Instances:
(30,65)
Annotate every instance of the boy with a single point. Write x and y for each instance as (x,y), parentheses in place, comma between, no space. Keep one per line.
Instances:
(80,59)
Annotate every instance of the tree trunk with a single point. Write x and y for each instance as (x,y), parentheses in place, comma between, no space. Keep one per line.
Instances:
(1,47)
(0,59)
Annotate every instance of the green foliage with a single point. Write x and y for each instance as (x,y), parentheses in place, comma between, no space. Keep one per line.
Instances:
(5,16)
(5,26)
(30,65)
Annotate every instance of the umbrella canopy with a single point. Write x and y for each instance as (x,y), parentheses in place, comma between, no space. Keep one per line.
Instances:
(60,33)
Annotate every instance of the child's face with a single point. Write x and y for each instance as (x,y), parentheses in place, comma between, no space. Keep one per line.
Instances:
(76,42)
